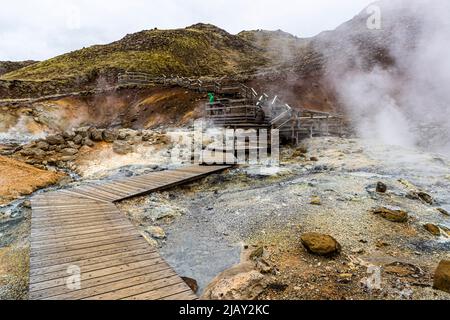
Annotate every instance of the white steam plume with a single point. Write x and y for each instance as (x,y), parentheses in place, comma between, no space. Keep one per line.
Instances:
(391,102)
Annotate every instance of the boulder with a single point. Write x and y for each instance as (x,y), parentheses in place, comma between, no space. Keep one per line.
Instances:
(27,151)
(110,135)
(68,135)
(69,152)
(442,276)
(320,244)
(433,229)
(78,139)
(43,145)
(96,134)
(55,139)
(39,154)
(398,216)
(88,142)
(381,187)
(156,232)
(72,145)
(122,147)
(83,132)
(238,283)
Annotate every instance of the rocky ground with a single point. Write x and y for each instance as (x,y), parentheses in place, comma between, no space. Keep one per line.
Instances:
(381,244)
(339,219)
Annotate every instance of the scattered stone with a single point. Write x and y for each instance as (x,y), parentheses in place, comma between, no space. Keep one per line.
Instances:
(122,147)
(27,204)
(110,136)
(422,196)
(42,145)
(381,187)
(147,136)
(152,242)
(425,197)
(316,201)
(381,244)
(278,286)
(122,135)
(192,283)
(96,135)
(55,139)
(88,142)
(345,278)
(257,253)
(83,132)
(72,145)
(314,159)
(433,229)
(320,244)
(401,269)
(69,152)
(443,211)
(156,232)
(442,276)
(78,139)
(398,216)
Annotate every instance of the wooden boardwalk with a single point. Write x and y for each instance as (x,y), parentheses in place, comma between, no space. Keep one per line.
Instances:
(81,230)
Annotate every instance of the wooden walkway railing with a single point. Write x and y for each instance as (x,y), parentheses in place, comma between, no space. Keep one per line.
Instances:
(242,107)
(82,247)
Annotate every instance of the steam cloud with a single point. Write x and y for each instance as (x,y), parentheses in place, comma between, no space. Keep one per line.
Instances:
(407,102)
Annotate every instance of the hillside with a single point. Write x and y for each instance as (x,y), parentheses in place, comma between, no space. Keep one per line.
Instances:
(10,66)
(280,47)
(196,50)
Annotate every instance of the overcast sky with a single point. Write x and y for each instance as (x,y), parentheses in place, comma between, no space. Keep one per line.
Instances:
(39,30)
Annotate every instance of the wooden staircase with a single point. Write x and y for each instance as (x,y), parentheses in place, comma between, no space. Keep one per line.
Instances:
(238,106)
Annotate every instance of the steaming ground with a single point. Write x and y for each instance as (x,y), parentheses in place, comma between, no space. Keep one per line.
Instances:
(391,81)
(207,223)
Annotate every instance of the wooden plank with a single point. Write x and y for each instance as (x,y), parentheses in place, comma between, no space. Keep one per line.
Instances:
(83,227)
(85,256)
(82,253)
(44,251)
(79,234)
(89,283)
(165,290)
(67,243)
(98,274)
(107,288)
(34,271)
(151,257)
(137,289)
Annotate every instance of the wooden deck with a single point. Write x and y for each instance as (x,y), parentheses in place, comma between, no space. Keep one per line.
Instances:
(81,229)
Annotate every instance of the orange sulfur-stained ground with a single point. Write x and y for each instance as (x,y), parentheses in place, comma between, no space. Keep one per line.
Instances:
(18,179)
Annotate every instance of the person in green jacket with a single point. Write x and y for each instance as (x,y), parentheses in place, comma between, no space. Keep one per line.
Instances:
(211,97)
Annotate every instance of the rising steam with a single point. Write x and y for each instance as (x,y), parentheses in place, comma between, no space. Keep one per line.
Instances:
(403,101)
